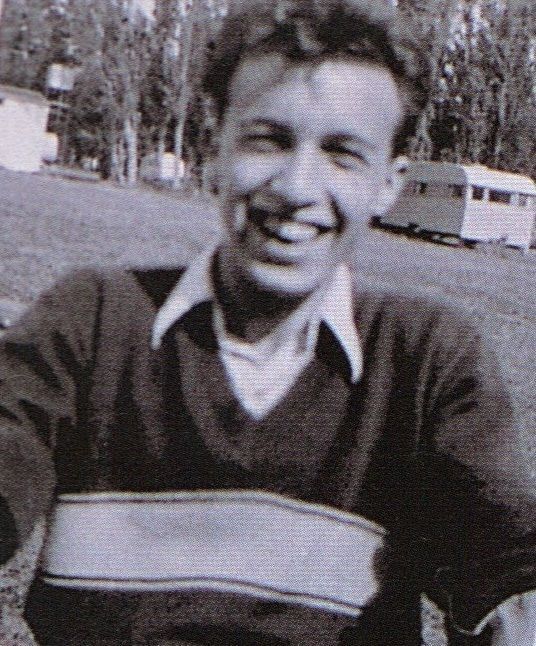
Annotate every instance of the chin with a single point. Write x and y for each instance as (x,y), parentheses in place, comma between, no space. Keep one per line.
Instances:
(284,281)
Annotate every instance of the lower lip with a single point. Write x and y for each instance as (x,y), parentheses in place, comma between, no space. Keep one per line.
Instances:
(292,232)
(283,250)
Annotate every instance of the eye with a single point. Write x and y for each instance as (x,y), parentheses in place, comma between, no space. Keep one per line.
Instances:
(265,142)
(346,158)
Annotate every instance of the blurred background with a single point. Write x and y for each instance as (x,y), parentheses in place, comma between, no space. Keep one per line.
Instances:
(122,81)
(105,142)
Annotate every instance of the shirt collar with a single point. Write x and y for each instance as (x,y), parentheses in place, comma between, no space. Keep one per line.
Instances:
(192,288)
(195,286)
(337,312)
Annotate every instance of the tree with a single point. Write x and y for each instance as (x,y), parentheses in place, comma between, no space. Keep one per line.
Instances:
(493,92)
(25,35)
(116,69)
(481,105)
(181,33)
(139,91)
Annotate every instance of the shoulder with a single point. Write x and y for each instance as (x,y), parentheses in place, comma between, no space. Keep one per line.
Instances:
(81,297)
(90,283)
(415,317)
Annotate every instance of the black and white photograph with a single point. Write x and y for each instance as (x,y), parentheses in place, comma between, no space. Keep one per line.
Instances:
(267,323)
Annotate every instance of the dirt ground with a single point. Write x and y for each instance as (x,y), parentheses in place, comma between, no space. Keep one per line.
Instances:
(49,225)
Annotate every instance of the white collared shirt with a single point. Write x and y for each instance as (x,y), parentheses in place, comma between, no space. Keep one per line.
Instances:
(262,373)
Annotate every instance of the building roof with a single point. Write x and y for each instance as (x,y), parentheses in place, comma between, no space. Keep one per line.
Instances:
(478,175)
(22,95)
(473,174)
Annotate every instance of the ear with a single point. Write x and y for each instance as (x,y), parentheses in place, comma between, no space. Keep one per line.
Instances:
(392,185)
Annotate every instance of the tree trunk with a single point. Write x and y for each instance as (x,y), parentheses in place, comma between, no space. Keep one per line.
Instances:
(119,154)
(178,149)
(185,89)
(422,147)
(501,121)
(130,135)
(160,146)
(207,178)
(114,158)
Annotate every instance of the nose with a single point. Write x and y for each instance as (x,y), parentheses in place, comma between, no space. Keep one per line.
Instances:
(298,181)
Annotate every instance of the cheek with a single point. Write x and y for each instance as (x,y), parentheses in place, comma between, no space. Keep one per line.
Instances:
(246,173)
(355,201)
(241,176)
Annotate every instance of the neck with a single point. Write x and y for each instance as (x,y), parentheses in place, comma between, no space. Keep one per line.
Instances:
(249,312)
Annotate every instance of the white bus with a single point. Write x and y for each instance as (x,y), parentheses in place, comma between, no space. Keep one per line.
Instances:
(471,202)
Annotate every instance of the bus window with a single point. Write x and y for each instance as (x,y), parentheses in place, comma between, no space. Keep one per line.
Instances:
(478,193)
(502,197)
(421,188)
(456,190)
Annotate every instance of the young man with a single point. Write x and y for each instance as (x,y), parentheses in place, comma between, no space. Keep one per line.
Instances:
(251,451)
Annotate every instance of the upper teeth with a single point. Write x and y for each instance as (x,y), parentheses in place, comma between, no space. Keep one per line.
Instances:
(291,231)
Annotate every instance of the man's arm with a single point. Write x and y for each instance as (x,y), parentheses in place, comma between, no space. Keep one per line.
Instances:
(478,501)
(42,358)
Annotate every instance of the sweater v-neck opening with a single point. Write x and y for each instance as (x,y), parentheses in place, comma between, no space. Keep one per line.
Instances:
(291,439)
(329,355)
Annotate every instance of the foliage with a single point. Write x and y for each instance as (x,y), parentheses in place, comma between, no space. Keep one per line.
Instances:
(138,86)
(482,105)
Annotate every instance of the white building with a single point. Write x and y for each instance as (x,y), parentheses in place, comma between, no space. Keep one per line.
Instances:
(23,122)
(162,168)
(471,202)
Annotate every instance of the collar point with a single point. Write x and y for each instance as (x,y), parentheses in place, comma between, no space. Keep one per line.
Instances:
(156,343)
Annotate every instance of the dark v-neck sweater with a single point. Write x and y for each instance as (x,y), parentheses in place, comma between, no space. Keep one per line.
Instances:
(423,445)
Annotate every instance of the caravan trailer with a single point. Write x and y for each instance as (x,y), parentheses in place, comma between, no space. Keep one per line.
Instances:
(471,203)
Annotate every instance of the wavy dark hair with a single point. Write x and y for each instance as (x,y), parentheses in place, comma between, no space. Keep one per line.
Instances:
(315,30)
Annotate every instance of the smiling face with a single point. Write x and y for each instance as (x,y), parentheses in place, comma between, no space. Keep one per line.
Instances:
(305,161)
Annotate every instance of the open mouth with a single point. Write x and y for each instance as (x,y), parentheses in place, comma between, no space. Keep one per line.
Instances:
(286,229)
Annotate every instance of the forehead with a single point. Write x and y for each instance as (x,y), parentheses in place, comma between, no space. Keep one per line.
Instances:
(334,93)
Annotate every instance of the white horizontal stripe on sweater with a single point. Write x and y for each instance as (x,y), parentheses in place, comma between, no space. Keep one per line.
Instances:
(250,542)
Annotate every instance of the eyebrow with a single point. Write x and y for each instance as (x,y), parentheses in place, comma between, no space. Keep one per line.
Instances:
(266,123)
(344,138)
